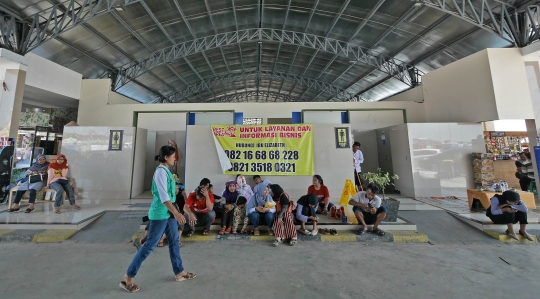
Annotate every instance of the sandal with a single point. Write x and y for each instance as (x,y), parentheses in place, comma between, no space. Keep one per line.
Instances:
(189,234)
(305,232)
(76,207)
(333,232)
(160,244)
(57,211)
(205,232)
(293,242)
(256,232)
(228,230)
(277,241)
(361,231)
(513,236)
(14,210)
(188,276)
(379,232)
(29,210)
(131,288)
(526,235)
(324,231)
(270,232)
(222,231)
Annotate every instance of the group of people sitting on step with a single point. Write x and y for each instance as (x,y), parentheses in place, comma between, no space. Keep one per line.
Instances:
(268,204)
(52,176)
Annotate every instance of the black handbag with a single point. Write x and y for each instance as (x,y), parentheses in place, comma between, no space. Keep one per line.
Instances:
(34,178)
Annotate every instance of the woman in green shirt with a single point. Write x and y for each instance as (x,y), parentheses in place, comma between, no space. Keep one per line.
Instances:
(164,218)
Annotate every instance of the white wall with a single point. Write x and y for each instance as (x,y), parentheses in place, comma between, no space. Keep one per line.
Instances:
(162,121)
(322,117)
(214,118)
(415,94)
(329,163)
(401,158)
(47,75)
(116,98)
(139,162)
(93,108)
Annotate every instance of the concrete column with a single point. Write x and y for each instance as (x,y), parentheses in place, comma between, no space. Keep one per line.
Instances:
(12,90)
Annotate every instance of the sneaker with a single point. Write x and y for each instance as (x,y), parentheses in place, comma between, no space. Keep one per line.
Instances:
(277,242)
(314,232)
(293,242)
(306,232)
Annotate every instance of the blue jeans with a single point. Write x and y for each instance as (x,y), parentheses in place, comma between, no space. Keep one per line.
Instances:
(256,216)
(155,231)
(205,219)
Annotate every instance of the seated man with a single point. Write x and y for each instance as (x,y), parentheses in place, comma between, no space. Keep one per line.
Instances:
(368,210)
(256,207)
(199,208)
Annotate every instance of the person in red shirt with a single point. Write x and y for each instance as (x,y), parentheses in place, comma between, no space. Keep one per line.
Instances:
(199,208)
(318,188)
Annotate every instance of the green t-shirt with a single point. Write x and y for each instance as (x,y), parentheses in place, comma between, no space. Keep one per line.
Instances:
(158,210)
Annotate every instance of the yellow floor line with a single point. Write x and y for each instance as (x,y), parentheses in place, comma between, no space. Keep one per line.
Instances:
(343,236)
(54,235)
(5,231)
(409,236)
(138,234)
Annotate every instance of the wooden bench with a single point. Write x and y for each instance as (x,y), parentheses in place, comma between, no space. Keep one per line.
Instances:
(485,196)
(15,188)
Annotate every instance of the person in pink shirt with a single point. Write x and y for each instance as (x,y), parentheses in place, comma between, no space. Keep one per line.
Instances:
(57,180)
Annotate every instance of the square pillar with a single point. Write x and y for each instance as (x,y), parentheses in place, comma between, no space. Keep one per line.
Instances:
(11,97)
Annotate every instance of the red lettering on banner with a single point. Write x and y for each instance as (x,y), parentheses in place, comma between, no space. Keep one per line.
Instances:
(222,132)
(250,129)
(304,129)
(280,128)
(290,135)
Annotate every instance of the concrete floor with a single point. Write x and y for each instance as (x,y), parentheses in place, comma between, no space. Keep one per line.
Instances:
(246,269)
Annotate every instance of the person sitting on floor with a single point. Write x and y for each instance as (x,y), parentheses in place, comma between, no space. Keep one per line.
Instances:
(368,210)
(284,228)
(321,191)
(305,211)
(243,188)
(509,209)
(199,208)
(228,202)
(240,216)
(40,168)
(57,180)
(256,207)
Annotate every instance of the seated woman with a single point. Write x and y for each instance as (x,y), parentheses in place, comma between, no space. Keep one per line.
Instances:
(256,209)
(318,188)
(228,202)
(509,209)
(58,181)
(306,211)
(40,167)
(243,188)
(283,225)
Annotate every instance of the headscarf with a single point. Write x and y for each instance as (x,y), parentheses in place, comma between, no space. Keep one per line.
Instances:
(57,166)
(310,199)
(276,191)
(228,196)
(173,143)
(258,200)
(243,188)
(36,167)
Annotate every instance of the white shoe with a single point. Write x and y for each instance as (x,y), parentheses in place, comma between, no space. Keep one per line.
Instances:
(314,232)
(306,232)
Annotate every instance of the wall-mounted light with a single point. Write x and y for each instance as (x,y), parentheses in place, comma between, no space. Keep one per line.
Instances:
(121,8)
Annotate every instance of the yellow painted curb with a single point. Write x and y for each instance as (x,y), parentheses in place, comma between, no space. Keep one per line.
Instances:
(506,239)
(5,231)
(262,238)
(138,234)
(343,236)
(408,236)
(197,236)
(54,235)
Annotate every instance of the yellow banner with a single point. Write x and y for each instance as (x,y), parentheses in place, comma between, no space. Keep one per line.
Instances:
(267,149)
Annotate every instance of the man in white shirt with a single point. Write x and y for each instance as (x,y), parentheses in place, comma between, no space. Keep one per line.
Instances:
(358,158)
(368,209)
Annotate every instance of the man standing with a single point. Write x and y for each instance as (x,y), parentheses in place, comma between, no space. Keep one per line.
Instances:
(358,159)
(368,210)
(199,207)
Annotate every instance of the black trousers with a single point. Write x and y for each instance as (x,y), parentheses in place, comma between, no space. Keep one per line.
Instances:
(227,218)
(506,218)
(524,183)
(19,195)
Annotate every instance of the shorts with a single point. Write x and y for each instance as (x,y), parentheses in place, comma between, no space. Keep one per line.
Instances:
(356,181)
(368,217)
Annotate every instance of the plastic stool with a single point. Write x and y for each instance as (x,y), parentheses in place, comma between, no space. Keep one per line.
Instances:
(532,187)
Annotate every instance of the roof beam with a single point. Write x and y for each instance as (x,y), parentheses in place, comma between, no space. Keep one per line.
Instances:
(244,96)
(198,87)
(23,34)
(392,66)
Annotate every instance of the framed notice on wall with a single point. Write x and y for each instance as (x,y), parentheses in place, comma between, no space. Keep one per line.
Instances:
(342,137)
(267,149)
(115,140)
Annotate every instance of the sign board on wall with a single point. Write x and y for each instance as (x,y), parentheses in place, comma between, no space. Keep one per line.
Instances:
(498,134)
(267,149)
(342,137)
(115,140)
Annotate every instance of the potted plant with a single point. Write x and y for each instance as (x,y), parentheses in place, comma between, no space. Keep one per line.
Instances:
(383,179)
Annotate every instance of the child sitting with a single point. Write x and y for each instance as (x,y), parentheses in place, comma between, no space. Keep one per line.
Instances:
(240,216)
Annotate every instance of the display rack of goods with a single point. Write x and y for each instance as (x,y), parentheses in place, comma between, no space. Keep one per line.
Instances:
(483,169)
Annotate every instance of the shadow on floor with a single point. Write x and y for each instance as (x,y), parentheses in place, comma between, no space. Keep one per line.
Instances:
(111,228)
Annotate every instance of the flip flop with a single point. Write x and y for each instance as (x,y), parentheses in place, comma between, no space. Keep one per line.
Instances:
(379,232)
(160,244)
(188,276)
(333,232)
(130,288)
(324,231)
(361,231)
